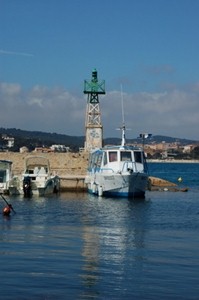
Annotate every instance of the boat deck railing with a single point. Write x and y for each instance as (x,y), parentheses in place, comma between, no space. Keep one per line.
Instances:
(106,169)
(132,165)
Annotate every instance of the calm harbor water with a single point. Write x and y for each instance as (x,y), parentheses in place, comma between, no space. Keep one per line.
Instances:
(76,246)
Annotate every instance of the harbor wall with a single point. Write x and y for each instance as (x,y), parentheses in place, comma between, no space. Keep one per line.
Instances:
(70,167)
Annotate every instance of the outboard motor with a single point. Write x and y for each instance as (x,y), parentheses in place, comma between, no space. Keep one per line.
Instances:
(27,186)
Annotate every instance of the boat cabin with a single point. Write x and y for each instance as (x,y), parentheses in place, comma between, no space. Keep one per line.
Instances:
(5,175)
(5,170)
(118,159)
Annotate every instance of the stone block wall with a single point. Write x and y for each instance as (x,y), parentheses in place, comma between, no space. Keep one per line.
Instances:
(62,164)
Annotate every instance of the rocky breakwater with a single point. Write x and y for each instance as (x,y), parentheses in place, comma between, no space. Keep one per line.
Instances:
(70,167)
(158,184)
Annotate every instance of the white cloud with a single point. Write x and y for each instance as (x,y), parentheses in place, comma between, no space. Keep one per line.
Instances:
(9,89)
(172,113)
(36,101)
(5,52)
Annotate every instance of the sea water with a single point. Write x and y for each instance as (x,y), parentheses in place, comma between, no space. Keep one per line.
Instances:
(78,246)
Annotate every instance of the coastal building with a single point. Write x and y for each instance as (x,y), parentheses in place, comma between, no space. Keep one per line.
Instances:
(24,149)
(10,140)
(60,148)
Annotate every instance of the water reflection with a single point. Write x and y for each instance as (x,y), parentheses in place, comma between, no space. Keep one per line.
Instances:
(77,246)
(115,243)
(5,227)
(78,242)
(91,256)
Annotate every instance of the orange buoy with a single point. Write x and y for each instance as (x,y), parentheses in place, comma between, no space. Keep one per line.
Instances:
(6,211)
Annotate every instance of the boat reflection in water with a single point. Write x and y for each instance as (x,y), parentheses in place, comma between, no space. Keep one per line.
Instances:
(120,246)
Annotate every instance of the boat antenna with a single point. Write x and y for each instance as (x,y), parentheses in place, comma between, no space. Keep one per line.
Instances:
(123,123)
(122,103)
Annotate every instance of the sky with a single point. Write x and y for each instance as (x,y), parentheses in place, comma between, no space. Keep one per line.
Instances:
(149,47)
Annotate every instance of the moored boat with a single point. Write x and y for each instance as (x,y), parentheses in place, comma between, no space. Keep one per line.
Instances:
(36,179)
(5,175)
(117,171)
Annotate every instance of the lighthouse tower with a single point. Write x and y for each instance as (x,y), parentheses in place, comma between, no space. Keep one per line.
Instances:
(93,125)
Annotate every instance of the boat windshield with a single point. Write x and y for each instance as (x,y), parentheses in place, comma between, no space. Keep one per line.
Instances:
(125,156)
(112,156)
(95,159)
(99,160)
(138,156)
(2,176)
(105,158)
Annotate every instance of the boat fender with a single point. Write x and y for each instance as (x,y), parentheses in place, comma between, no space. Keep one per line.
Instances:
(100,191)
(180,179)
(93,187)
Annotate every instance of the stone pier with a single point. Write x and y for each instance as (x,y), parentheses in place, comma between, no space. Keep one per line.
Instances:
(70,167)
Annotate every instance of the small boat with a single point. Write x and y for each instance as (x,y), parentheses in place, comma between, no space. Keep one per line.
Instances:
(36,179)
(117,171)
(5,175)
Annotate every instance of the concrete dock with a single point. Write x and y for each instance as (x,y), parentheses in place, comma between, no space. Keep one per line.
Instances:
(73,183)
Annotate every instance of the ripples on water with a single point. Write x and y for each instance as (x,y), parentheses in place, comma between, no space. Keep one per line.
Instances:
(76,246)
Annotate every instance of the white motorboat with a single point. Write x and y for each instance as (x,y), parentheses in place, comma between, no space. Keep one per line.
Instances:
(36,179)
(5,175)
(117,171)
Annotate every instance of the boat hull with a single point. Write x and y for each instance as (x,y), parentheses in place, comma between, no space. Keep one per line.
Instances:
(50,186)
(118,185)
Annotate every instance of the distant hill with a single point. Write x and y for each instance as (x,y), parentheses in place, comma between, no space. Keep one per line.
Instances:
(154,139)
(33,139)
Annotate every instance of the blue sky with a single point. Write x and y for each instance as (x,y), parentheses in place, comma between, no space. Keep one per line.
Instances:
(151,47)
